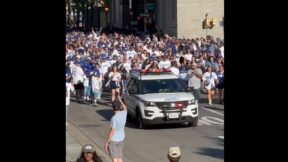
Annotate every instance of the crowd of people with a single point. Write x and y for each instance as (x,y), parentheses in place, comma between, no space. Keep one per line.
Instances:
(96,61)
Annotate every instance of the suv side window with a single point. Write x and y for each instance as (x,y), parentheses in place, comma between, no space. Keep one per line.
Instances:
(130,85)
(134,87)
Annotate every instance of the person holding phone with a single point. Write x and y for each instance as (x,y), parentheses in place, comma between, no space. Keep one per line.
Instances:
(115,139)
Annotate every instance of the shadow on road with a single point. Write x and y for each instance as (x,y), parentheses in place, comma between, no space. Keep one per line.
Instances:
(212,107)
(88,125)
(107,114)
(132,123)
(218,141)
(216,153)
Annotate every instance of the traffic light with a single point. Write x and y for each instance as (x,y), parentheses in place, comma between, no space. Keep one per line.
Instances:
(206,23)
(213,22)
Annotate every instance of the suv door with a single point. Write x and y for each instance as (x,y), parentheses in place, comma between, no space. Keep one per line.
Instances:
(133,98)
(127,95)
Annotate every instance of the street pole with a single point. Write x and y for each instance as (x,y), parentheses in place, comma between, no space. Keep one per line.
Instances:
(206,15)
(145,18)
(106,18)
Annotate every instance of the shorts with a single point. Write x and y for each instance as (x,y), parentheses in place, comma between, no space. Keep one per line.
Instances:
(220,86)
(116,149)
(114,85)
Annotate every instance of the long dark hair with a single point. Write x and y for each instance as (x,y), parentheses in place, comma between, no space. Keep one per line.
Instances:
(95,158)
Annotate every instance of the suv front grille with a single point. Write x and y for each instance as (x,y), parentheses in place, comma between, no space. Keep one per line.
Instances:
(171,105)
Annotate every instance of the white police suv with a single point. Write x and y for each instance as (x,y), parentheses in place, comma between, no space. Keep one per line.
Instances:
(158,98)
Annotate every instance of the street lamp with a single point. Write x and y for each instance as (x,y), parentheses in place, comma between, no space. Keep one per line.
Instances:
(130,14)
(106,11)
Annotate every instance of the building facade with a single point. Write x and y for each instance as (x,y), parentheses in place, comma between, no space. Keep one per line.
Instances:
(179,18)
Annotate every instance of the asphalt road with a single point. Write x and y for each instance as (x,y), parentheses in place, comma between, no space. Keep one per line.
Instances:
(203,143)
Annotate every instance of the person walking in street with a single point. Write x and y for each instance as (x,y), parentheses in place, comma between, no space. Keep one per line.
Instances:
(211,62)
(115,79)
(220,85)
(95,87)
(210,80)
(68,88)
(88,154)
(194,81)
(77,75)
(115,139)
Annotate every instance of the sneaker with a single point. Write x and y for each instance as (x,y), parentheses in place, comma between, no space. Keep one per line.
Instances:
(85,98)
(210,103)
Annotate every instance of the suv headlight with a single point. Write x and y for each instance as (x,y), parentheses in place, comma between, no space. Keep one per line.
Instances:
(191,102)
(149,104)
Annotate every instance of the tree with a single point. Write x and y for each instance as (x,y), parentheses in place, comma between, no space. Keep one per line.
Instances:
(69,19)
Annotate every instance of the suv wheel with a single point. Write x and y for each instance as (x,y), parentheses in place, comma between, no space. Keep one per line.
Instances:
(193,124)
(141,124)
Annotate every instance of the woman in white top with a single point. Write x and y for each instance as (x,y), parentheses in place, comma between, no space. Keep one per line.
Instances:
(115,78)
(210,81)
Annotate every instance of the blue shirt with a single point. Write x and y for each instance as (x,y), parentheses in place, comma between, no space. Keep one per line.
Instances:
(118,122)
(68,72)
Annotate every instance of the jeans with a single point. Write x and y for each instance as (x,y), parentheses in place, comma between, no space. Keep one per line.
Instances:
(99,94)
(196,93)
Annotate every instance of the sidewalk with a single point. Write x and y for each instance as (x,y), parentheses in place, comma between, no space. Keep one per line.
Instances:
(73,148)
(75,139)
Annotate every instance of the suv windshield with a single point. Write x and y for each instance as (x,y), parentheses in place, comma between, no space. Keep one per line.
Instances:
(162,86)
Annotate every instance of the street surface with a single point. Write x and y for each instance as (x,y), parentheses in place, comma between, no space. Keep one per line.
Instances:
(204,143)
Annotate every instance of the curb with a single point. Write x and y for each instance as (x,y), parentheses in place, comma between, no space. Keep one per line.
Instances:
(82,139)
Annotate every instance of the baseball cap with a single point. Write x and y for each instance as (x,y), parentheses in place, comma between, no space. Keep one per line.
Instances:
(174,152)
(88,148)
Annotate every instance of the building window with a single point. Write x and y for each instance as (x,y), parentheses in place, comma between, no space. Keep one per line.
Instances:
(173,4)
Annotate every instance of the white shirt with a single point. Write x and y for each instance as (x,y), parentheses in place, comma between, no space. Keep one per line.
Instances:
(116,77)
(222,51)
(112,62)
(194,47)
(194,81)
(157,53)
(77,75)
(85,81)
(127,66)
(199,43)
(115,52)
(131,53)
(175,70)
(95,84)
(164,64)
(210,78)
(68,88)
(188,56)
(104,67)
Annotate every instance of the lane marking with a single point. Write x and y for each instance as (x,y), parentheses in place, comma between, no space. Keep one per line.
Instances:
(208,119)
(216,112)
(221,137)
